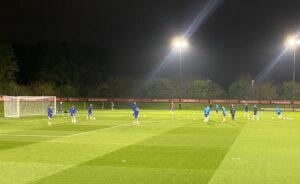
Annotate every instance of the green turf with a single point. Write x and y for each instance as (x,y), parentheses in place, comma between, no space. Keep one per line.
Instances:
(163,149)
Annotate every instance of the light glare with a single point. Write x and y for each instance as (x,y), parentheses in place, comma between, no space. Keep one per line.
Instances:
(292,41)
(180,43)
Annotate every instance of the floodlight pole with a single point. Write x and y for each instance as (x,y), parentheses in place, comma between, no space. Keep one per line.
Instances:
(180,58)
(180,77)
(180,44)
(294,80)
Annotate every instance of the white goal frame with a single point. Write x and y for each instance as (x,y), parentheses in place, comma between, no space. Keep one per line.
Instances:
(18,106)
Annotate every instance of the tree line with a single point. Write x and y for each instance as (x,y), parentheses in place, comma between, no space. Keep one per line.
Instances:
(63,72)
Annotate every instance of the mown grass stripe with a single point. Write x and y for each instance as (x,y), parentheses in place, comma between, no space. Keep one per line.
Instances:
(146,158)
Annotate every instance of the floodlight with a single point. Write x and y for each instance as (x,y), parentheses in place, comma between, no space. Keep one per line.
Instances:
(180,43)
(292,41)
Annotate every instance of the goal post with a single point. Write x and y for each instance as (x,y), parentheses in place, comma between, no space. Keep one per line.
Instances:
(11,106)
(27,105)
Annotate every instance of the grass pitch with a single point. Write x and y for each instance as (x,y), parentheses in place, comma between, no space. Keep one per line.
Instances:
(163,149)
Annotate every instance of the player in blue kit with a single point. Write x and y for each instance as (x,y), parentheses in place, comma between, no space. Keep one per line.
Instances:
(224,113)
(217,108)
(72,112)
(50,115)
(232,112)
(278,112)
(246,110)
(255,115)
(135,113)
(90,112)
(206,114)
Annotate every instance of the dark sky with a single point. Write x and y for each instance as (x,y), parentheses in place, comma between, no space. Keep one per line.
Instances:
(238,36)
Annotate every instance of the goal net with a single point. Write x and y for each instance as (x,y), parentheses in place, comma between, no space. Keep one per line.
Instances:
(27,105)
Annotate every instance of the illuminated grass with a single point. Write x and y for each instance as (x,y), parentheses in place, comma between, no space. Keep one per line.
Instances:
(163,149)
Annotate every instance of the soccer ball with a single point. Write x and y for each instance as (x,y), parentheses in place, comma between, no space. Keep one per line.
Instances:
(94,118)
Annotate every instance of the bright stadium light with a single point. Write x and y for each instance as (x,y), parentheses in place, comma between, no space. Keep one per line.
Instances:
(180,43)
(292,43)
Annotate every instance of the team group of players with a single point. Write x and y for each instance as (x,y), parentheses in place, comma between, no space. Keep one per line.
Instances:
(135,112)
(72,111)
(232,112)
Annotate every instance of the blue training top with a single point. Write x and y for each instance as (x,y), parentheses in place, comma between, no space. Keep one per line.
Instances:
(278,110)
(90,109)
(206,111)
(72,111)
(50,111)
(255,110)
(134,107)
(224,111)
(232,111)
(246,108)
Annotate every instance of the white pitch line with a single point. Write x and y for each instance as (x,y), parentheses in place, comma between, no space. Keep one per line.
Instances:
(97,130)
(24,135)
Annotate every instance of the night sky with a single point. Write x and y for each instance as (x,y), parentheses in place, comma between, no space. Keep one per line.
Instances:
(238,36)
